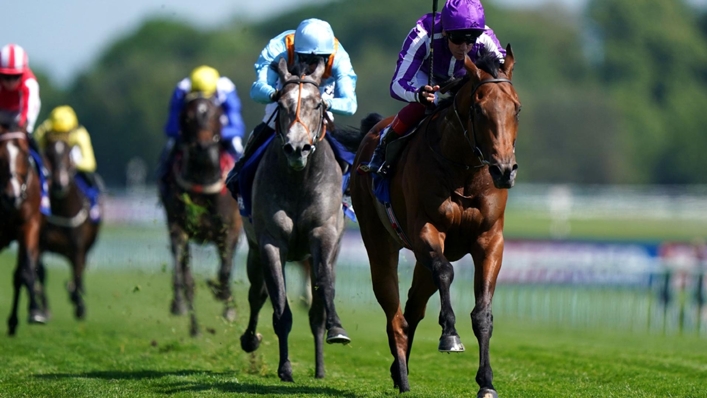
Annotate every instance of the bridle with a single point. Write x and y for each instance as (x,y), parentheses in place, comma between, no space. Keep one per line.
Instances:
(319,135)
(185,147)
(18,135)
(473,141)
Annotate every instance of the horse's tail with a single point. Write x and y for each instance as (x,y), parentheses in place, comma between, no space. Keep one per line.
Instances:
(369,121)
(348,136)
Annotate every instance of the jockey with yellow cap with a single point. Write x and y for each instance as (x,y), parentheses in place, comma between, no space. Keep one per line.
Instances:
(206,81)
(311,41)
(63,125)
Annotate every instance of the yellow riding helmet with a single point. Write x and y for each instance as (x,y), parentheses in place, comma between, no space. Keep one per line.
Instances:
(63,119)
(204,79)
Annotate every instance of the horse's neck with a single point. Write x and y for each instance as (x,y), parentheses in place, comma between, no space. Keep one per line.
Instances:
(200,173)
(314,172)
(69,204)
(454,142)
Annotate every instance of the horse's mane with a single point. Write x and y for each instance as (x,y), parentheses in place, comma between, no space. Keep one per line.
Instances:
(488,62)
(348,136)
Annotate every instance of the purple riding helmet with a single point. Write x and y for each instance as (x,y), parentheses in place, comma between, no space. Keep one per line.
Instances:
(463,15)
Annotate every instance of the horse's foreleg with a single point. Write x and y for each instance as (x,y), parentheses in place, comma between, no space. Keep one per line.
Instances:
(383,258)
(189,292)
(487,260)
(257,294)
(178,241)
(431,255)
(42,285)
(273,272)
(17,285)
(29,255)
(325,249)
(419,294)
(76,291)
(317,314)
(223,291)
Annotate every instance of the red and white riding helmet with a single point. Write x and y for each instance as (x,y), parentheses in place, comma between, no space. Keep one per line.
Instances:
(13,60)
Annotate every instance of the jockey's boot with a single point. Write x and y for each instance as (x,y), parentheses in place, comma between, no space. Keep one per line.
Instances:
(165,163)
(259,135)
(378,159)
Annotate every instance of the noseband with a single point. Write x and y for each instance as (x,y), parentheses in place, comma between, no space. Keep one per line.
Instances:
(301,81)
(472,141)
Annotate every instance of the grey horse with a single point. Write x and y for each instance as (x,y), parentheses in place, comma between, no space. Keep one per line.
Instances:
(297,215)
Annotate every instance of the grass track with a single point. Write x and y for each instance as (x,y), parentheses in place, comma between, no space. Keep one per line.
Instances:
(130,346)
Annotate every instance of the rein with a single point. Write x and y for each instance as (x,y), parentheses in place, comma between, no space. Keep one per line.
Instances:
(301,81)
(472,141)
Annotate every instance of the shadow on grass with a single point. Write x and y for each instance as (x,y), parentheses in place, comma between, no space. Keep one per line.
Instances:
(196,386)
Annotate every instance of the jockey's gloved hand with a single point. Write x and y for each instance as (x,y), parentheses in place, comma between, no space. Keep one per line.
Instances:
(275,96)
(237,143)
(426,95)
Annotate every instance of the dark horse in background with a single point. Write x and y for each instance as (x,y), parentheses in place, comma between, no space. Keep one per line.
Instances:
(448,189)
(69,231)
(297,215)
(199,208)
(20,217)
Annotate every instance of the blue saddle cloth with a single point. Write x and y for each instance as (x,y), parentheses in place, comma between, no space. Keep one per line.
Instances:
(247,175)
(92,193)
(44,204)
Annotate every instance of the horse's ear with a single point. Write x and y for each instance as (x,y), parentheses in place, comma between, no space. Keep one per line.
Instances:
(282,69)
(509,62)
(471,69)
(319,71)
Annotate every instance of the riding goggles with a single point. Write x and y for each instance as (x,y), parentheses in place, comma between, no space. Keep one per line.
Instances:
(312,58)
(459,37)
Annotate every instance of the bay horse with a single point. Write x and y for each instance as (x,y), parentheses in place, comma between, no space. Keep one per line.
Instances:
(69,231)
(20,218)
(297,215)
(448,189)
(199,208)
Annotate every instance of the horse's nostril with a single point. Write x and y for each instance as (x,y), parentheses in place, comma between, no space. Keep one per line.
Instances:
(495,171)
(515,167)
(289,149)
(306,148)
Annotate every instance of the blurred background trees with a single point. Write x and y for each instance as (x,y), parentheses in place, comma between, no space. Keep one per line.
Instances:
(617,94)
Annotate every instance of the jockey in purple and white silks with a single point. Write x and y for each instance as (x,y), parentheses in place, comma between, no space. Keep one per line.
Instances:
(459,30)
(312,40)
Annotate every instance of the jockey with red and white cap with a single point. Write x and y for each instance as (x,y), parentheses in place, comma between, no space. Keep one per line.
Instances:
(459,30)
(19,90)
(19,105)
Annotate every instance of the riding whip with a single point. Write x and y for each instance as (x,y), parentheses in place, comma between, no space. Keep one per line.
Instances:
(432,37)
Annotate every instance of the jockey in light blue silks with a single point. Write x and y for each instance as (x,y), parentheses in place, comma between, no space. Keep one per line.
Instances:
(204,81)
(459,30)
(312,40)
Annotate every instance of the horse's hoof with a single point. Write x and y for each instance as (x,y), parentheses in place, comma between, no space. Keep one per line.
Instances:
(285,372)
(487,393)
(178,308)
(80,313)
(229,314)
(194,331)
(221,293)
(251,342)
(450,344)
(337,335)
(37,317)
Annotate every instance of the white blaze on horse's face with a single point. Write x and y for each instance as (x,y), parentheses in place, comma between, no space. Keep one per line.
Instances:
(61,172)
(300,120)
(16,186)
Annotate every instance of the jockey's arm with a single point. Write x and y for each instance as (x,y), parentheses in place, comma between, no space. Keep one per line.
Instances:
(344,101)
(489,40)
(87,161)
(266,77)
(175,109)
(40,134)
(410,61)
(30,104)
(232,109)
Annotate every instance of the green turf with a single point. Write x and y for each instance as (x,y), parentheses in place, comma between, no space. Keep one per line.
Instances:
(130,346)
